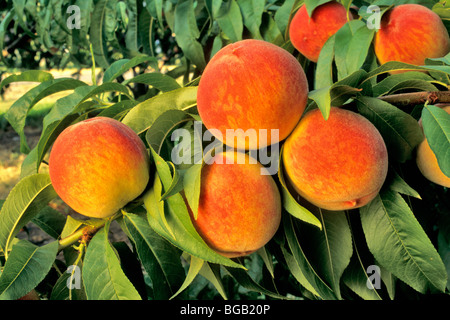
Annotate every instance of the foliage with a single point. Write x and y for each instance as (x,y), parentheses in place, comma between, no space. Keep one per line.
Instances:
(405,230)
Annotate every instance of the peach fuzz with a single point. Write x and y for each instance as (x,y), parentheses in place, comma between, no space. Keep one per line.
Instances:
(98,165)
(309,34)
(336,164)
(410,33)
(252,84)
(239,209)
(427,162)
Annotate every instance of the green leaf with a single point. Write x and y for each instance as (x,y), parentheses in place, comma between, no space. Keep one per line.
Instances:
(102,274)
(311,5)
(297,272)
(157,80)
(355,277)
(195,266)
(291,205)
(230,21)
(329,249)
(394,66)
(403,81)
(17,113)
(51,221)
(187,33)
(322,97)
(324,70)
(25,268)
(184,235)
(211,272)
(119,67)
(29,76)
(396,183)
(344,37)
(163,126)
(192,179)
(401,132)
(436,125)
(442,9)
(96,33)
(252,11)
(309,272)
(358,48)
(399,244)
(159,258)
(23,203)
(244,279)
(141,117)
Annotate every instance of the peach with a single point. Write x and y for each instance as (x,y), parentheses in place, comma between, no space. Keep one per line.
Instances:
(239,208)
(427,162)
(250,88)
(309,34)
(98,165)
(336,164)
(410,33)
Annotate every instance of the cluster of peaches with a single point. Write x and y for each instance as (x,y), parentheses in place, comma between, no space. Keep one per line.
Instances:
(99,165)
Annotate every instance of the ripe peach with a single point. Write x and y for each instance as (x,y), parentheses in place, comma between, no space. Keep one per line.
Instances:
(428,164)
(239,209)
(336,164)
(410,33)
(252,84)
(98,165)
(309,34)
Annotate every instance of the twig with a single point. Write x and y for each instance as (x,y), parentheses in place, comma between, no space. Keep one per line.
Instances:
(414,98)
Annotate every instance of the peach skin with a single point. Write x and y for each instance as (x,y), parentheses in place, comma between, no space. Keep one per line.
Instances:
(98,165)
(252,85)
(336,164)
(410,33)
(239,209)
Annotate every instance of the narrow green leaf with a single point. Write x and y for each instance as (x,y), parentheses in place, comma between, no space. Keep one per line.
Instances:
(23,203)
(25,268)
(212,273)
(358,48)
(230,21)
(324,70)
(307,269)
(192,179)
(195,266)
(401,132)
(185,235)
(436,125)
(96,33)
(291,205)
(398,243)
(141,117)
(244,279)
(29,76)
(119,67)
(163,126)
(17,113)
(252,11)
(159,258)
(333,248)
(187,33)
(156,80)
(102,274)
(297,272)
